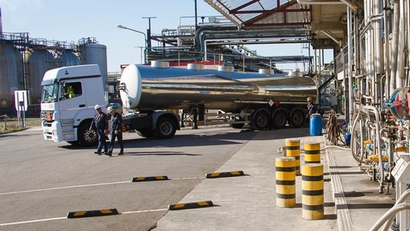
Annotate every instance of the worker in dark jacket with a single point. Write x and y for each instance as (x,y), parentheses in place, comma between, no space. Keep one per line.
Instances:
(116,131)
(312,108)
(100,124)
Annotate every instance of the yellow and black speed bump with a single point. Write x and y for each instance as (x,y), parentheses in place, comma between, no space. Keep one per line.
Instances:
(224,174)
(149,178)
(193,205)
(92,213)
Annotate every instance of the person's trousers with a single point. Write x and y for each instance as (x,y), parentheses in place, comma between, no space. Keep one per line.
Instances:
(119,139)
(101,141)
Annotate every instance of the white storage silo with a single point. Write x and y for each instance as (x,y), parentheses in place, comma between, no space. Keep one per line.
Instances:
(90,52)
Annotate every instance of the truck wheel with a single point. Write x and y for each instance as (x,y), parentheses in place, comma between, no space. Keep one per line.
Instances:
(279,119)
(74,143)
(260,120)
(145,133)
(297,119)
(237,125)
(166,128)
(86,137)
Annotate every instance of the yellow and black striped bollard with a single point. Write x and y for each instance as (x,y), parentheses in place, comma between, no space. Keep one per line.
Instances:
(285,182)
(293,150)
(312,153)
(312,192)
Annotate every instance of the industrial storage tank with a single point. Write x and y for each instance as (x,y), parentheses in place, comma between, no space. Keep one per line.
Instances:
(11,73)
(90,52)
(66,57)
(37,62)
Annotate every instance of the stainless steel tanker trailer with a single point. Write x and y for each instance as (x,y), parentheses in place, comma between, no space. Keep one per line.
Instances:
(263,100)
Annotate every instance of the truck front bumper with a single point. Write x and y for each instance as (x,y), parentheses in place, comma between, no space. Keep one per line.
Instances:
(52,131)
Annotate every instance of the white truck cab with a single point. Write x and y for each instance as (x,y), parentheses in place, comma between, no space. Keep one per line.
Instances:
(67,104)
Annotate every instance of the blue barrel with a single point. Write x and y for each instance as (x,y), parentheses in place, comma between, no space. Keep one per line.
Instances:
(348,136)
(315,125)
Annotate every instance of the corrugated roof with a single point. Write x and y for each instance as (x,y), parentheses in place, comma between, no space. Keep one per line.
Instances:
(263,13)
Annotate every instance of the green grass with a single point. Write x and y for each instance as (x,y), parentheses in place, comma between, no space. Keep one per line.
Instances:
(12,124)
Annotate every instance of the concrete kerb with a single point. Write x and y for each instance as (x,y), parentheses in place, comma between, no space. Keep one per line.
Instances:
(344,220)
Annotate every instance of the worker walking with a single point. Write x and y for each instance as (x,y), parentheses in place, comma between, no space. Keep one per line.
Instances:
(116,131)
(100,124)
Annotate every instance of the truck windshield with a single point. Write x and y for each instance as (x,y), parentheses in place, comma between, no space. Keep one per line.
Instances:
(49,93)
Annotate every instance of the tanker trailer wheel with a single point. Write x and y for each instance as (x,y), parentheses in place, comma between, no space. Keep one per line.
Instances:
(279,118)
(297,119)
(86,137)
(237,125)
(166,128)
(260,120)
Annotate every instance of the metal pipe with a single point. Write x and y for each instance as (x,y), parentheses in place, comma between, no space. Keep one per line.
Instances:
(353,142)
(400,48)
(396,19)
(378,142)
(386,51)
(406,39)
(399,206)
(349,73)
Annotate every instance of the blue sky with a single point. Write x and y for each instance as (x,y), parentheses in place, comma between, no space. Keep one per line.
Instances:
(72,20)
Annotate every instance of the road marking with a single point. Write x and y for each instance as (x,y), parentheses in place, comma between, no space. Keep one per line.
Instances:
(64,187)
(144,211)
(32,221)
(87,185)
(63,218)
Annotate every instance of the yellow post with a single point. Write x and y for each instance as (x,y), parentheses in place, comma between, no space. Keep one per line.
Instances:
(293,150)
(312,153)
(285,182)
(312,192)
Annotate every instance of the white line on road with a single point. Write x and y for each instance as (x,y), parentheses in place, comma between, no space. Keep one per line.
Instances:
(62,218)
(32,221)
(64,187)
(144,211)
(87,185)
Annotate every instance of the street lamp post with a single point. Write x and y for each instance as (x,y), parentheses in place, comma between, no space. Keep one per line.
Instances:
(137,31)
(141,51)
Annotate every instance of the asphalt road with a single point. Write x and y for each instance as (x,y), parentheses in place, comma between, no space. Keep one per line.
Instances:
(41,181)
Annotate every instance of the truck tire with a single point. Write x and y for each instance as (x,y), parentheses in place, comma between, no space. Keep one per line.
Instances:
(297,119)
(145,133)
(237,125)
(86,137)
(279,118)
(166,128)
(74,143)
(260,120)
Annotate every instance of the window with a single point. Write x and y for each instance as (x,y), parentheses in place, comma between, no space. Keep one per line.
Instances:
(71,90)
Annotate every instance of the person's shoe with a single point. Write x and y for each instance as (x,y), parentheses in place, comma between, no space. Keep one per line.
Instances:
(99,153)
(121,153)
(108,153)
